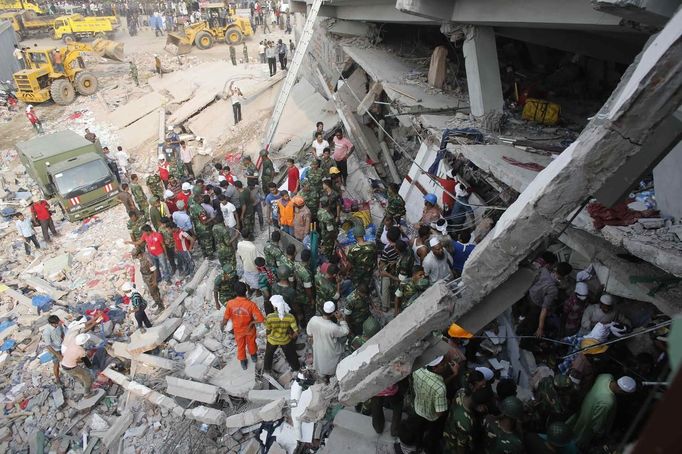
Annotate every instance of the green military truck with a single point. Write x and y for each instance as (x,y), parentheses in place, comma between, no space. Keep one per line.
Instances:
(72,171)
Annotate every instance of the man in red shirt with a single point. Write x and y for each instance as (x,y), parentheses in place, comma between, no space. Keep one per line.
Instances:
(40,211)
(33,118)
(156,250)
(185,194)
(170,201)
(448,183)
(293,177)
(244,315)
(164,170)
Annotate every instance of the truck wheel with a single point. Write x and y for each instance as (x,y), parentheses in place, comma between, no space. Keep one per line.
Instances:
(62,92)
(204,40)
(68,39)
(86,83)
(233,36)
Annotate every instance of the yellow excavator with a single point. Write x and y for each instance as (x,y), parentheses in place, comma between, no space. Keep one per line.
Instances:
(220,24)
(44,78)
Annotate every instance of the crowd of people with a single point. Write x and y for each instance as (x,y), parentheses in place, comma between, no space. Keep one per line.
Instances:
(325,272)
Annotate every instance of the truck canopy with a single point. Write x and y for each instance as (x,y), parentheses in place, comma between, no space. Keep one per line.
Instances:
(50,145)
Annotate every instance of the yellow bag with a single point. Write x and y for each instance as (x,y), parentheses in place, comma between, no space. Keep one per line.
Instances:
(540,111)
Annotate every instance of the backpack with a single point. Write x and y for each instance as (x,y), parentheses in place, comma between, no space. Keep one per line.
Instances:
(204,218)
(142,304)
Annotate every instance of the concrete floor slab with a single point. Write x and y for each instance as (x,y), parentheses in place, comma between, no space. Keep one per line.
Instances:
(135,109)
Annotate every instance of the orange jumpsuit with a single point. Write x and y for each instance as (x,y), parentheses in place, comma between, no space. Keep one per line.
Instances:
(242,311)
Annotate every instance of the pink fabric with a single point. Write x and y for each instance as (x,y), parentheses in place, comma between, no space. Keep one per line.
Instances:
(341,148)
(390,391)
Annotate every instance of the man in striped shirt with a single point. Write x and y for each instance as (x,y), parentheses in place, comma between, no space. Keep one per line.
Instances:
(387,267)
(281,329)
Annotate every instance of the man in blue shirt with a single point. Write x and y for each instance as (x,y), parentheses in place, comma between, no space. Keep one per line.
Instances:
(181,218)
(271,204)
(461,249)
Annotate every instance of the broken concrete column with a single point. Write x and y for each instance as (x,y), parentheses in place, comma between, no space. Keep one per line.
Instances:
(371,96)
(120,349)
(321,395)
(206,415)
(264,396)
(156,335)
(483,71)
(141,390)
(387,357)
(270,412)
(191,286)
(117,429)
(192,390)
(438,67)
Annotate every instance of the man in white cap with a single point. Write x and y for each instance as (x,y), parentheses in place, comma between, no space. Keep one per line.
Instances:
(73,351)
(185,193)
(605,312)
(597,411)
(573,308)
(437,262)
(326,338)
(281,330)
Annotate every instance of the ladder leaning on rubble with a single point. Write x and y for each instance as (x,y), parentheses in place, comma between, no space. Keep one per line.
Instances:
(295,65)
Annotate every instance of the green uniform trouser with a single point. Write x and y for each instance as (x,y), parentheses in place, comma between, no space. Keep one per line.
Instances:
(153,289)
(227,255)
(205,240)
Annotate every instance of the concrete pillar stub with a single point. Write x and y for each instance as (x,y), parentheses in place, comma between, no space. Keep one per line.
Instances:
(483,71)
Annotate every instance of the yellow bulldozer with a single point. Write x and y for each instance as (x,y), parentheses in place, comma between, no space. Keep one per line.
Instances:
(44,79)
(220,24)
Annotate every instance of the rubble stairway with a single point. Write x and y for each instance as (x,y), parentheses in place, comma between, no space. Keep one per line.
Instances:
(292,72)
(353,433)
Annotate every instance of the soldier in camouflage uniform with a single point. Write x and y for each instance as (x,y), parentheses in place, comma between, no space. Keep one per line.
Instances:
(405,263)
(224,239)
(410,290)
(250,171)
(357,308)
(284,288)
(223,289)
(266,278)
(167,231)
(267,170)
(325,286)
(149,277)
(501,434)
(272,251)
(363,258)
(461,424)
(552,401)
(395,208)
(310,197)
(314,180)
(135,223)
(287,259)
(304,286)
(328,229)
(248,213)
(155,186)
(202,231)
(138,193)
(326,163)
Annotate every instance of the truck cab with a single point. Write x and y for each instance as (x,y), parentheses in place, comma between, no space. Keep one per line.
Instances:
(72,171)
(15,5)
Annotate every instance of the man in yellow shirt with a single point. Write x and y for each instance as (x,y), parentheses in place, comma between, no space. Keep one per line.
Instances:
(281,330)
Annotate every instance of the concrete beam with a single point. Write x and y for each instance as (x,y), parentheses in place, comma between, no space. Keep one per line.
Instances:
(270,412)
(375,11)
(117,429)
(206,415)
(192,390)
(156,335)
(143,391)
(198,278)
(650,91)
(667,184)
(647,12)
(483,71)
(371,96)
(428,9)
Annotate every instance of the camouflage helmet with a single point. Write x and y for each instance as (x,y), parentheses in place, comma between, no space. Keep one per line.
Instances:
(559,434)
(512,407)
(283,272)
(423,283)
(562,381)
(246,158)
(370,327)
(264,152)
(228,269)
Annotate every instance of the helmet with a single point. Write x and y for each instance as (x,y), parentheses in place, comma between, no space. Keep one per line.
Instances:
(283,272)
(334,170)
(186,186)
(559,434)
(169,127)
(512,407)
(606,299)
(168,194)
(431,198)
(370,327)
(264,152)
(228,268)
(458,332)
(588,342)
(562,381)
(298,201)
(82,339)
(127,287)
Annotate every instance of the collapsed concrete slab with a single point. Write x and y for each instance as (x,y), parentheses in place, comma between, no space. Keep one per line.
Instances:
(321,395)
(89,402)
(117,429)
(206,415)
(233,379)
(156,335)
(391,352)
(120,349)
(191,286)
(264,396)
(200,355)
(270,412)
(143,391)
(191,390)
(135,109)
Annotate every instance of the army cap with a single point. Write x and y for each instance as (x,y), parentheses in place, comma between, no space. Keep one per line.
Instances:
(559,434)
(264,152)
(283,272)
(228,268)
(512,407)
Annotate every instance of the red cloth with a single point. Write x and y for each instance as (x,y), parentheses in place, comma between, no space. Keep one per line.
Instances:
(42,210)
(184,197)
(448,185)
(94,313)
(32,117)
(293,177)
(170,203)
(164,174)
(618,215)
(228,176)
(181,244)
(154,242)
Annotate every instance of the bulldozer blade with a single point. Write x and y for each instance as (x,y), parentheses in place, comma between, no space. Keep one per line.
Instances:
(109,49)
(177,44)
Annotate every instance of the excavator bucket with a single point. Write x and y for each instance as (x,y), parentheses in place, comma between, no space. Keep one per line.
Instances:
(108,49)
(178,43)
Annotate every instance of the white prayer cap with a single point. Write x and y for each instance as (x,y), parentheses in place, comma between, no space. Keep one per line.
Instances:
(329,307)
(461,190)
(581,290)
(168,194)
(487,373)
(434,242)
(617,329)
(221,178)
(186,186)
(627,384)
(436,361)
(82,339)
(162,157)
(606,299)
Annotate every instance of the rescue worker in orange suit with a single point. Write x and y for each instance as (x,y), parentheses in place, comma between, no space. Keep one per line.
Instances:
(244,315)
